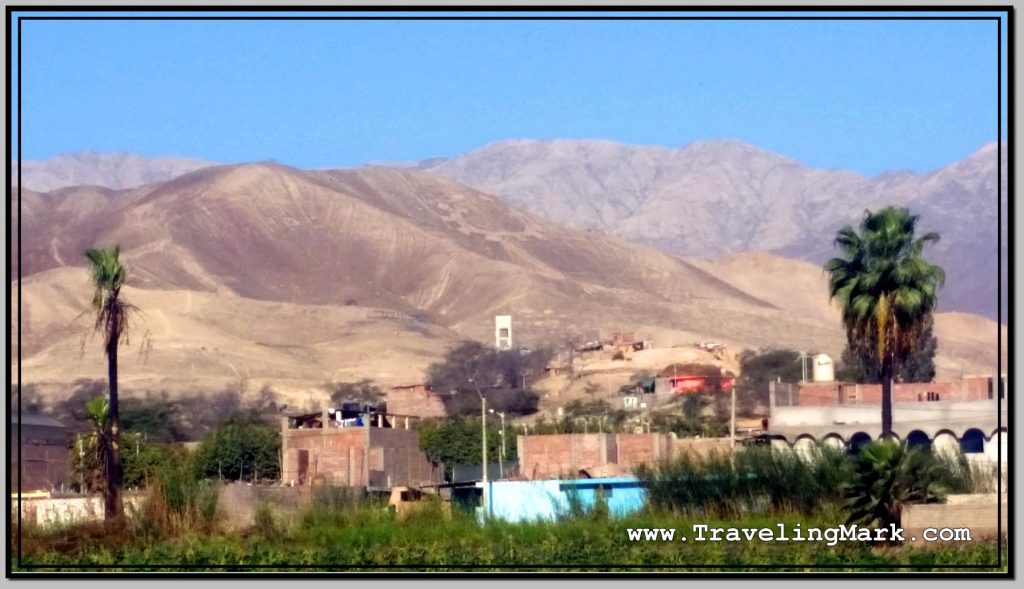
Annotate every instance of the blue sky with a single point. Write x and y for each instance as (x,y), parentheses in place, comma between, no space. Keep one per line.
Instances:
(868,96)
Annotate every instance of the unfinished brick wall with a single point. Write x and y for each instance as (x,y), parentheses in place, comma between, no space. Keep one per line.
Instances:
(417,402)
(395,458)
(43,467)
(637,449)
(337,455)
(562,455)
(699,448)
(356,456)
(822,394)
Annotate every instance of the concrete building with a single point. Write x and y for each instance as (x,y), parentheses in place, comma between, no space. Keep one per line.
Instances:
(362,450)
(573,455)
(503,332)
(823,394)
(518,501)
(943,416)
(416,400)
(41,454)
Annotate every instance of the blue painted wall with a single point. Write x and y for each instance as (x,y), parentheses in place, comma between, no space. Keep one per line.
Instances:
(549,499)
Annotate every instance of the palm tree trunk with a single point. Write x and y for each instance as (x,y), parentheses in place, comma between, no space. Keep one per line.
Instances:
(112,507)
(886,401)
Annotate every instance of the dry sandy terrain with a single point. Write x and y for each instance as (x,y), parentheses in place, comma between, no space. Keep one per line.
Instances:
(278,276)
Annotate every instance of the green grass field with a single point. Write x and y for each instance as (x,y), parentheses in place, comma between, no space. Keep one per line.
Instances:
(367,537)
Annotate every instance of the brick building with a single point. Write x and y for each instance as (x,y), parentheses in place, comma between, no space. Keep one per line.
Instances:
(416,400)
(822,394)
(369,450)
(565,455)
(41,453)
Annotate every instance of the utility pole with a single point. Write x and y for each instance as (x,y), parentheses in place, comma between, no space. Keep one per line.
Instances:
(732,422)
(483,448)
(501,458)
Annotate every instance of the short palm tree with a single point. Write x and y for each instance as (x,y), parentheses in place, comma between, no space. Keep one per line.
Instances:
(888,477)
(887,291)
(90,453)
(113,315)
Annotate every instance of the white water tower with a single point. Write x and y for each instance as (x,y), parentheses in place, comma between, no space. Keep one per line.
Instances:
(503,332)
(824,370)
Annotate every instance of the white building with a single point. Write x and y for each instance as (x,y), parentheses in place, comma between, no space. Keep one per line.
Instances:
(503,332)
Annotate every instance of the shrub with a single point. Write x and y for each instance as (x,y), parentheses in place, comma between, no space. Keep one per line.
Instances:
(240,450)
(177,500)
(887,477)
(504,377)
(758,480)
(364,391)
(458,441)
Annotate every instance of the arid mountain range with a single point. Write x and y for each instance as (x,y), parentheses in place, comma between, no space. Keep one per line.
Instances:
(273,275)
(108,170)
(715,198)
(707,199)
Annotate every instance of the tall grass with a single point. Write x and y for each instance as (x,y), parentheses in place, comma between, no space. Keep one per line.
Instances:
(177,500)
(760,480)
(757,481)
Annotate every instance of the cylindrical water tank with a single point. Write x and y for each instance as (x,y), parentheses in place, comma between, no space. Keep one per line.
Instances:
(824,370)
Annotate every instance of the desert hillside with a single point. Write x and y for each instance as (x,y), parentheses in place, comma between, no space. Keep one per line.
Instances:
(270,275)
(718,198)
(107,170)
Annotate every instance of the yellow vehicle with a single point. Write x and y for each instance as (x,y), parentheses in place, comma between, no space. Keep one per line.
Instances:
(406,501)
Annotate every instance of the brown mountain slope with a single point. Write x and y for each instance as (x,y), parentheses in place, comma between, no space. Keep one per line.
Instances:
(716,198)
(110,170)
(277,275)
(204,341)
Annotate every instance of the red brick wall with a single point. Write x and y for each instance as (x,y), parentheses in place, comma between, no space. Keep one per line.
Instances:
(562,455)
(396,459)
(42,467)
(417,402)
(832,393)
(358,456)
(697,448)
(336,454)
(637,449)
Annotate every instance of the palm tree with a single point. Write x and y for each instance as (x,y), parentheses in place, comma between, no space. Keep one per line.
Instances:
(112,320)
(887,477)
(887,292)
(90,453)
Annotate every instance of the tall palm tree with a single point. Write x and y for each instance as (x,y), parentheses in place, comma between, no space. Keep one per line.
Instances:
(113,314)
(887,291)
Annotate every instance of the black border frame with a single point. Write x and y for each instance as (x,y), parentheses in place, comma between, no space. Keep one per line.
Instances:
(598,13)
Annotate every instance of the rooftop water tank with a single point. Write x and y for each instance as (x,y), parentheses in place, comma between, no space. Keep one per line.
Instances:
(824,370)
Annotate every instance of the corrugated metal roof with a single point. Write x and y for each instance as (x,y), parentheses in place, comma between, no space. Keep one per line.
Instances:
(36,419)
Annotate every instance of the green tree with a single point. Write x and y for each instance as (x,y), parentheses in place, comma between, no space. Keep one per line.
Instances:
(241,449)
(113,315)
(918,367)
(504,377)
(887,291)
(458,441)
(364,391)
(758,368)
(156,419)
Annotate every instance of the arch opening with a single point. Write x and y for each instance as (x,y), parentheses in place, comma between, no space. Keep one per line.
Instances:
(973,441)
